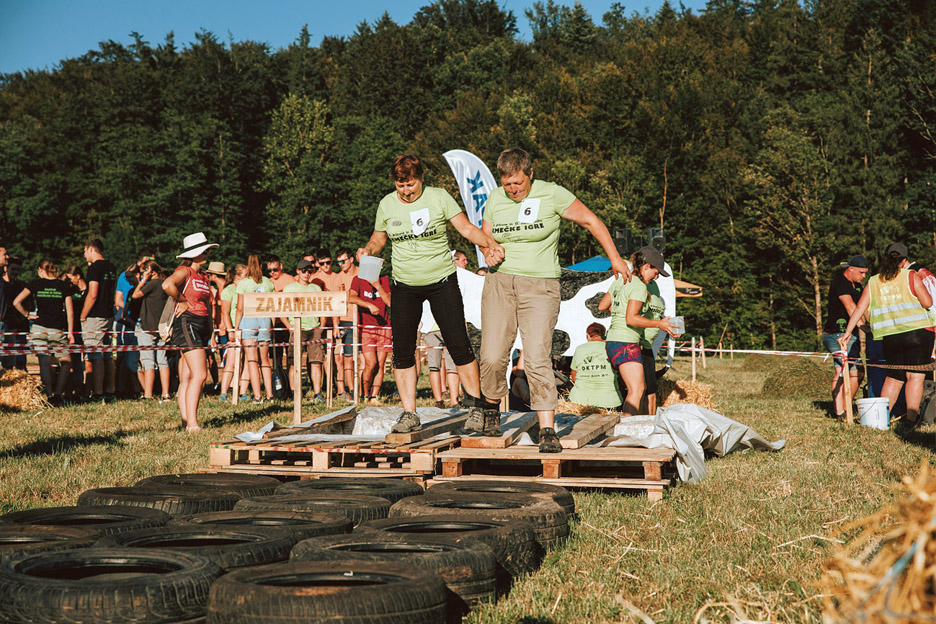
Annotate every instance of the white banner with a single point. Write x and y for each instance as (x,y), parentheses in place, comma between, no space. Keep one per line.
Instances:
(475,183)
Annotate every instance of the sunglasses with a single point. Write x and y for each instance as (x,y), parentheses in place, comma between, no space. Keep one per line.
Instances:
(306,271)
(343,260)
(272,270)
(324,262)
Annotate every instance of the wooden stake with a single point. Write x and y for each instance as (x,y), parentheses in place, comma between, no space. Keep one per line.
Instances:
(329,395)
(297,361)
(846,381)
(236,383)
(355,334)
(731,350)
(719,350)
(702,347)
(693,360)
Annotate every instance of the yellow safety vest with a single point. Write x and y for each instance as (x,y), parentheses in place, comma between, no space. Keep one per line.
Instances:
(894,309)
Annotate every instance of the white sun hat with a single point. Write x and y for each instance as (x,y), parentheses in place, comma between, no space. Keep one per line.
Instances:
(194,245)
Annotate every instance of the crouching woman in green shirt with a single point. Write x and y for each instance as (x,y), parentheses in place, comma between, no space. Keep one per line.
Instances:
(414,218)
(522,292)
(595,381)
(631,309)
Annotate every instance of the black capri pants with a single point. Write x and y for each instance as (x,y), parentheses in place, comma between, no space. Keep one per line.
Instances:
(445,301)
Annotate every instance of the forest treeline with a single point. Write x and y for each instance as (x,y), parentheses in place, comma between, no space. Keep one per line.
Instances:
(771,139)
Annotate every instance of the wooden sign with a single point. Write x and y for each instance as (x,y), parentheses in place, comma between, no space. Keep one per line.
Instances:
(294,304)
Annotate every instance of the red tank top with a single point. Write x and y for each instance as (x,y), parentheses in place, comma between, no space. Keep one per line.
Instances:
(197,292)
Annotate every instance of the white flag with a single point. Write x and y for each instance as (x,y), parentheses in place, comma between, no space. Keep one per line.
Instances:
(475,183)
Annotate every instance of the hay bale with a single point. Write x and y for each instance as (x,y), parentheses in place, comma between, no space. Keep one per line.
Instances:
(761,363)
(19,391)
(797,376)
(568,407)
(684,391)
(890,567)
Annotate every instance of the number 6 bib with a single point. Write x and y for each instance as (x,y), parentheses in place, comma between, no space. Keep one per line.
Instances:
(529,211)
(419,220)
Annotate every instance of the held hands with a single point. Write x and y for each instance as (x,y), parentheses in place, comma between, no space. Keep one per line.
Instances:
(493,254)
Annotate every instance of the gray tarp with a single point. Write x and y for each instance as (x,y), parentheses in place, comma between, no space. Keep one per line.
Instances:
(690,430)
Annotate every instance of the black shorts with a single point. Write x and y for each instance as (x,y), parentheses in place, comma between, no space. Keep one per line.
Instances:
(912,348)
(190,331)
(649,366)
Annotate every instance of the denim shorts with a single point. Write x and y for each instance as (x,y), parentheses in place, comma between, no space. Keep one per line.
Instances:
(830,342)
(260,335)
(347,337)
(623,353)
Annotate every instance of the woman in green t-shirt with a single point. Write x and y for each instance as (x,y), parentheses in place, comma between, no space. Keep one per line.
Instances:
(595,381)
(414,219)
(522,292)
(626,301)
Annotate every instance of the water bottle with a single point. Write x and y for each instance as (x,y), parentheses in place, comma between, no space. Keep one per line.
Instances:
(679,323)
(277,385)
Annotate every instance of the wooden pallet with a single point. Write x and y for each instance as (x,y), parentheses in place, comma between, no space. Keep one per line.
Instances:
(650,470)
(333,457)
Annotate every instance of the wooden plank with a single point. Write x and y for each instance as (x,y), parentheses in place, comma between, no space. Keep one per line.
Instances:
(294,471)
(452,468)
(589,482)
(652,470)
(429,445)
(445,425)
(552,469)
(597,453)
(219,456)
(513,426)
(587,429)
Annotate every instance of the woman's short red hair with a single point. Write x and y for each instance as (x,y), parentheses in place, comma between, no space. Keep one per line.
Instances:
(406,167)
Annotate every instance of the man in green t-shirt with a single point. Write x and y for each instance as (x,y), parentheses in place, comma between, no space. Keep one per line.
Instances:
(522,292)
(310,333)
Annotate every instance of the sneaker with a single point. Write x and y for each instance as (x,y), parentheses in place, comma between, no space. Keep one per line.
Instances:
(492,423)
(475,422)
(222,398)
(407,422)
(440,404)
(245,397)
(549,441)
(375,401)
(318,398)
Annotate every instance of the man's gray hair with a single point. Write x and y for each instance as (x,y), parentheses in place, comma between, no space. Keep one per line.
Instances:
(513,160)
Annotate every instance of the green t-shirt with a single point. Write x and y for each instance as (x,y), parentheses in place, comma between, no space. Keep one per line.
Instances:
(307,322)
(420,251)
(529,229)
(247,285)
(230,294)
(653,309)
(595,379)
(621,293)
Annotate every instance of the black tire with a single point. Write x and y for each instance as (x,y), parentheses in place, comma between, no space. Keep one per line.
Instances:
(549,520)
(532,488)
(102,519)
(357,507)
(467,567)
(338,592)
(18,540)
(302,525)
(229,547)
(391,489)
(513,543)
(106,586)
(175,501)
(243,484)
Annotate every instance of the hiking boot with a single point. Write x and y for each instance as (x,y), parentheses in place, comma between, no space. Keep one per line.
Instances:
(407,422)
(475,422)
(492,423)
(549,441)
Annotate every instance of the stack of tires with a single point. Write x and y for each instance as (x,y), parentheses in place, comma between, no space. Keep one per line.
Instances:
(246,548)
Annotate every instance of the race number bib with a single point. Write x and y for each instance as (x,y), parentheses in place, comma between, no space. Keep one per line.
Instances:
(529,210)
(419,220)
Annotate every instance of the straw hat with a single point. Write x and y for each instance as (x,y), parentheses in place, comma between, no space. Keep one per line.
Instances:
(216,268)
(194,245)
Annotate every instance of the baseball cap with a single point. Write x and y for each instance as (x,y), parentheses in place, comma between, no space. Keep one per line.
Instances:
(304,264)
(859,262)
(897,249)
(654,258)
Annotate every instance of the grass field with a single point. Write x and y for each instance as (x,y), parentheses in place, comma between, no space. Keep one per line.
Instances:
(746,544)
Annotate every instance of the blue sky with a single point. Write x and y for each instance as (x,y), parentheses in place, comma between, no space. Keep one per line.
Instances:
(37,34)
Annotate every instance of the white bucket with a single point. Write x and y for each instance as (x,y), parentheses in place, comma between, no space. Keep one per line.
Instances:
(874,413)
(370,268)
